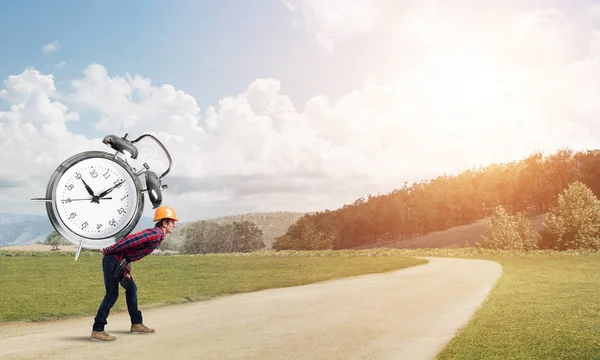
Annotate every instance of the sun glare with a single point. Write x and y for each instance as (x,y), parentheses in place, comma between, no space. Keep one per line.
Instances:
(459,81)
(466,101)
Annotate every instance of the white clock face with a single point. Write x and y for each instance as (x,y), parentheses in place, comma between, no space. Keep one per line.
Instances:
(96,198)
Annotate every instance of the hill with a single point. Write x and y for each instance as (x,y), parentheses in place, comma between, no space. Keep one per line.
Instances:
(459,236)
(22,229)
(26,229)
(273,224)
(431,206)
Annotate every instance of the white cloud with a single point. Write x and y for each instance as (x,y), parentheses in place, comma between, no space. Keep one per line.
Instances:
(474,97)
(335,20)
(61,64)
(33,136)
(51,47)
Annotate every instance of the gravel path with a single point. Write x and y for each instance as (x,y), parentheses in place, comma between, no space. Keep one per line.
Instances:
(406,314)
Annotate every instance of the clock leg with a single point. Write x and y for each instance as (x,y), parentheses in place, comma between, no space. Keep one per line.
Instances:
(79,249)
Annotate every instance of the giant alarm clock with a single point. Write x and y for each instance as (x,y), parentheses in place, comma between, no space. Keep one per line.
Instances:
(95,198)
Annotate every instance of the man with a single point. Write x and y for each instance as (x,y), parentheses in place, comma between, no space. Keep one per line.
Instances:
(131,248)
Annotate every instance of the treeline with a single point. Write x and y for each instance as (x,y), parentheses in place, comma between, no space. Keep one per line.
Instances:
(204,237)
(200,237)
(530,185)
(188,236)
(272,224)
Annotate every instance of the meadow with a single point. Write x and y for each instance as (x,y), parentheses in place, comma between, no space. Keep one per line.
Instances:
(544,306)
(51,285)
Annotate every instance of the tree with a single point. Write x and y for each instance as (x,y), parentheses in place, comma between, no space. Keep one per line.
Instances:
(55,240)
(303,235)
(204,237)
(529,185)
(246,237)
(507,232)
(574,221)
(200,238)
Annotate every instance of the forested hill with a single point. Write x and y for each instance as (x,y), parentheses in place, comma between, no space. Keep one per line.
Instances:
(528,185)
(272,224)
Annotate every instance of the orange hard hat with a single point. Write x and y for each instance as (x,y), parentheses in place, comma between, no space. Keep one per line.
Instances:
(165,212)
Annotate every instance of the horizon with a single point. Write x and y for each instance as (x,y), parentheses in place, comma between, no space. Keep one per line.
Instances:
(293,105)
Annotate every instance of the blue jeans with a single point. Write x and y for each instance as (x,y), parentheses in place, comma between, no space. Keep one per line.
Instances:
(109,264)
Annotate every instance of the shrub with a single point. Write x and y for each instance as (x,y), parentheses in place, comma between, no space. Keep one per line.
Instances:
(507,232)
(574,221)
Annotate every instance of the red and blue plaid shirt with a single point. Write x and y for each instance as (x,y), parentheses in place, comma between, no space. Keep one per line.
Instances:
(135,246)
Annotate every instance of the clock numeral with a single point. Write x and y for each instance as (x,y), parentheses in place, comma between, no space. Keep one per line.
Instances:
(121,211)
(77,175)
(70,186)
(123,198)
(112,222)
(98,226)
(84,225)
(106,174)
(119,182)
(72,216)
(93,173)
(68,200)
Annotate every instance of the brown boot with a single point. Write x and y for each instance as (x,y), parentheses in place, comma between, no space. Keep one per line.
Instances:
(101,336)
(141,328)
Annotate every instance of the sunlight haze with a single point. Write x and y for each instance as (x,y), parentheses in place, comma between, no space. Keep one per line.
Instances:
(301,105)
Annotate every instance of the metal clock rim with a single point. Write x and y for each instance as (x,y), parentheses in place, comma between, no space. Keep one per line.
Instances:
(52,210)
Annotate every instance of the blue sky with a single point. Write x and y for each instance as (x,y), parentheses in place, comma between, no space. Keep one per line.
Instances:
(414,89)
(209,49)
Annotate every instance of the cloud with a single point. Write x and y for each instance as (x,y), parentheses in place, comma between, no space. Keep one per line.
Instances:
(334,21)
(51,47)
(472,98)
(61,64)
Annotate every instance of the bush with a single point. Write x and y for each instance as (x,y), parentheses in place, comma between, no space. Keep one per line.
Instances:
(574,221)
(506,232)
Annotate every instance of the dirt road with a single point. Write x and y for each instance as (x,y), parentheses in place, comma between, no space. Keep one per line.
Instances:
(407,314)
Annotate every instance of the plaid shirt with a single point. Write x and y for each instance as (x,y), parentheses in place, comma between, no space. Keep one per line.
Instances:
(135,246)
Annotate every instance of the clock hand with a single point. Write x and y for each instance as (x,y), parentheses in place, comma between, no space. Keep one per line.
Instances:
(88,188)
(110,189)
(69,200)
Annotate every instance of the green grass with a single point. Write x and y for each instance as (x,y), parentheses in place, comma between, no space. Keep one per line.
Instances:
(546,305)
(542,308)
(44,286)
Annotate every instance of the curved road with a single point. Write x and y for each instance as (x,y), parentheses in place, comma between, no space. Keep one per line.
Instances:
(406,314)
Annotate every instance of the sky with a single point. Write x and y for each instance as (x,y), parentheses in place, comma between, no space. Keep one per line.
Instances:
(292,105)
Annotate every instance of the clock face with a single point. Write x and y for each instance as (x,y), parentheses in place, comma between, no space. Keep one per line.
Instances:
(96,198)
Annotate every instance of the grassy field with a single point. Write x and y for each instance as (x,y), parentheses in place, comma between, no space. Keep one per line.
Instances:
(49,285)
(544,306)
